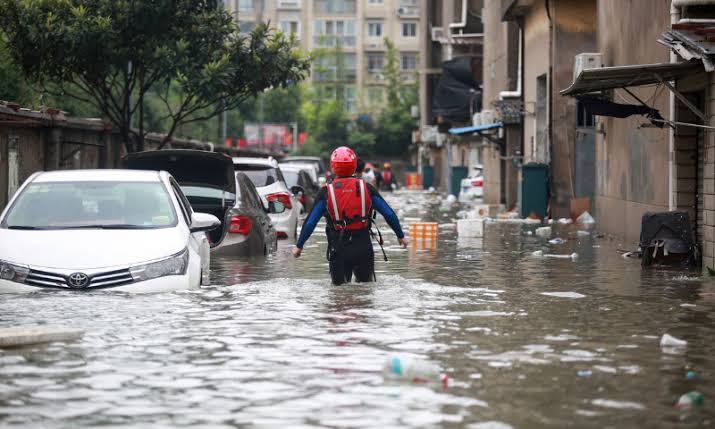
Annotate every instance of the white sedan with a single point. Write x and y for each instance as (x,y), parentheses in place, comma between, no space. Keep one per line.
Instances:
(271,185)
(130,231)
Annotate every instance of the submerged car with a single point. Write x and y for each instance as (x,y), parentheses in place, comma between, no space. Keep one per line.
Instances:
(211,185)
(301,184)
(271,185)
(131,231)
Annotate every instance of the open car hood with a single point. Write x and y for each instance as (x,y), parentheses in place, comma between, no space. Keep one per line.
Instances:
(189,167)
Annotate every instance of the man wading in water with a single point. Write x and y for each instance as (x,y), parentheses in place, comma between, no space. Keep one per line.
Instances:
(347,204)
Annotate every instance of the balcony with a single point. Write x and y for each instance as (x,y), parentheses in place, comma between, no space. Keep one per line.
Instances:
(375,77)
(408,9)
(332,41)
(289,4)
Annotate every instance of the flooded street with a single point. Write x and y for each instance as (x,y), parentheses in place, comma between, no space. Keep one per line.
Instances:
(526,342)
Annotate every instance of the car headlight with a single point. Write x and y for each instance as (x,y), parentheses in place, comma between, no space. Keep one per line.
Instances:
(175,265)
(12,272)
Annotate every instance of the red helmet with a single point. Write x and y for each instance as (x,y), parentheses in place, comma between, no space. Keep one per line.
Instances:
(343,162)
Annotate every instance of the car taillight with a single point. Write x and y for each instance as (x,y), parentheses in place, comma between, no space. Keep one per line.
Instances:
(240,225)
(281,234)
(283,198)
(301,198)
(478,183)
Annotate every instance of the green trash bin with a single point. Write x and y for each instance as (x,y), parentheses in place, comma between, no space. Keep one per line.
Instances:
(427,176)
(534,190)
(458,173)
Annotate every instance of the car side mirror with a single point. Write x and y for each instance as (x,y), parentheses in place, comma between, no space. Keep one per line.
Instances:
(297,190)
(276,207)
(204,222)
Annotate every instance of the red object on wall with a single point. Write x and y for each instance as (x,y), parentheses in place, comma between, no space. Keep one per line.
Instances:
(241,143)
(302,137)
(228,142)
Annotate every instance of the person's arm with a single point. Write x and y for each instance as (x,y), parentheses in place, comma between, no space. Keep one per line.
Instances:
(390,216)
(386,211)
(319,210)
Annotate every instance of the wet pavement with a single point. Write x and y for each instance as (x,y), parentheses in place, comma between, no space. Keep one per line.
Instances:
(526,342)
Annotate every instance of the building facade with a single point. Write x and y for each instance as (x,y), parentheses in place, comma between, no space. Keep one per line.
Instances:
(450,30)
(358,26)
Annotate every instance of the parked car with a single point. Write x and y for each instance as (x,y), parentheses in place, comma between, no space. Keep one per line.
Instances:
(251,231)
(324,174)
(212,186)
(301,184)
(271,186)
(472,187)
(311,169)
(96,229)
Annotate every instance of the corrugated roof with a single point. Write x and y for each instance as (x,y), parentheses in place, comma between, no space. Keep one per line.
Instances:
(599,79)
(692,40)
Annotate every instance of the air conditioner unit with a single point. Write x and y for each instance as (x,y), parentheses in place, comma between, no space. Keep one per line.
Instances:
(437,33)
(402,11)
(477,119)
(585,61)
(487,117)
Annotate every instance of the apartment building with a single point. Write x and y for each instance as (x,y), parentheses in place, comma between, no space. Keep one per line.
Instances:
(359,26)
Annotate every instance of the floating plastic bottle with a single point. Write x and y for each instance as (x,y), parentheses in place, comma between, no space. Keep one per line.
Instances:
(414,371)
(690,400)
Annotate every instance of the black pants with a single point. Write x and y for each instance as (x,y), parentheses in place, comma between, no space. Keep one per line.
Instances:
(351,254)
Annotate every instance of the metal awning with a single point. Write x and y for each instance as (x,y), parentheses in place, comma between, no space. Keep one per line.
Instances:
(599,79)
(474,129)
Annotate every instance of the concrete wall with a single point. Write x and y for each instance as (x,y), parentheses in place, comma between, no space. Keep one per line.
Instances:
(574,32)
(536,63)
(631,162)
(709,178)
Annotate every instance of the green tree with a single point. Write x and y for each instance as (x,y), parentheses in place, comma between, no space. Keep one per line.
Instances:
(110,54)
(395,121)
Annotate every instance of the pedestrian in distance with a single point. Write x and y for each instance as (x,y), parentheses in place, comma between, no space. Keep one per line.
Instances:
(387,182)
(347,203)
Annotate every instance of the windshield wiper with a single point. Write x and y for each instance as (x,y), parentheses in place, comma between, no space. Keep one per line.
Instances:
(110,226)
(25,227)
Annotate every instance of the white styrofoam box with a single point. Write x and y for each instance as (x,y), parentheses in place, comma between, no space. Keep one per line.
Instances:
(470,228)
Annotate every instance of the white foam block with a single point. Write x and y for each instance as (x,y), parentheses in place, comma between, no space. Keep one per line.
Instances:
(36,334)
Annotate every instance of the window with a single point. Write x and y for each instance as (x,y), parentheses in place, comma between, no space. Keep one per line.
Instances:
(245,5)
(409,61)
(350,99)
(409,29)
(329,32)
(375,95)
(375,62)
(335,6)
(374,29)
(290,27)
(327,67)
(246,26)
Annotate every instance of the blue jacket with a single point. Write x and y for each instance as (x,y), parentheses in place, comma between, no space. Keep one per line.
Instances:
(320,210)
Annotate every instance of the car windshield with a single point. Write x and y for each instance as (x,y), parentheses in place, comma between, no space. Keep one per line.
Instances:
(291,178)
(106,205)
(260,175)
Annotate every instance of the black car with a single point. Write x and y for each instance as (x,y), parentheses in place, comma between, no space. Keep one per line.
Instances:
(212,186)
(301,184)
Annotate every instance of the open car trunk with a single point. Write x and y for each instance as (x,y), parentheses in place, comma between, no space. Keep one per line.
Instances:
(206,178)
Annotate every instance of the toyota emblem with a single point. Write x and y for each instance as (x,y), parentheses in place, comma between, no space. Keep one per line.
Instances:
(78,280)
